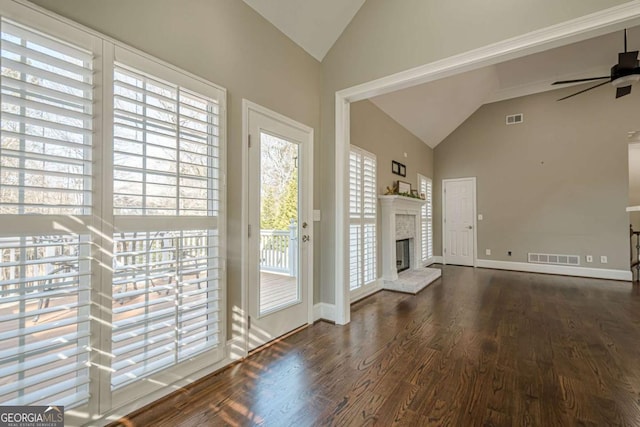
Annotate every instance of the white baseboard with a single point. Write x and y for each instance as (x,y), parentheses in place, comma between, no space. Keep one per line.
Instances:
(236,348)
(596,273)
(324,311)
(434,260)
(368,290)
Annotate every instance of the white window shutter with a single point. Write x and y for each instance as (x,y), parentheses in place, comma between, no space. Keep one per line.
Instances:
(363,202)
(47,97)
(45,169)
(426,218)
(166,288)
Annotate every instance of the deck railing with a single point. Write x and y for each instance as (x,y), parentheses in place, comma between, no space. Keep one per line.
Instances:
(29,264)
(279,250)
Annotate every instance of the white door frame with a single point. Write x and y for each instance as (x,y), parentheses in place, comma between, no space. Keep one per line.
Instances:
(240,314)
(593,25)
(475,219)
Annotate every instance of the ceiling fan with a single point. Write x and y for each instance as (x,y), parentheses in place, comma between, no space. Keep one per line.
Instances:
(623,74)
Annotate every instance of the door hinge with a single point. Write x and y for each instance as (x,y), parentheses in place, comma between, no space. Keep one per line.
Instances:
(249,140)
(445,250)
(249,231)
(248,322)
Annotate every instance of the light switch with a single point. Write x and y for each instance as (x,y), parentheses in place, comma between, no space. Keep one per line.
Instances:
(316,214)
(480,217)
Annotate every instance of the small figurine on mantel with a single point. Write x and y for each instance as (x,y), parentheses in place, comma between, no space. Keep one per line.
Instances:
(391,190)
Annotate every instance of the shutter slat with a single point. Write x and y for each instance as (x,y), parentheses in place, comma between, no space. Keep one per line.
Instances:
(51,76)
(39,91)
(66,49)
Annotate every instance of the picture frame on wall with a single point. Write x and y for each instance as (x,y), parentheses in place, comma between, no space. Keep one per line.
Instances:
(404,187)
(398,168)
(395,167)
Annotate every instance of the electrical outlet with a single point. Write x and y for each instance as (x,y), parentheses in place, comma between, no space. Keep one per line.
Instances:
(603,259)
(589,258)
(487,252)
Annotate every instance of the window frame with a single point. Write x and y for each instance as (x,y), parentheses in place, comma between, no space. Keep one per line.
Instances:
(426,185)
(363,220)
(99,224)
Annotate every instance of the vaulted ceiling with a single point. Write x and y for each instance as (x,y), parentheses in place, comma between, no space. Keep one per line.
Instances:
(314,25)
(433,110)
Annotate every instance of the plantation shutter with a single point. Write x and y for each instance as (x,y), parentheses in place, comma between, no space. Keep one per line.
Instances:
(166,281)
(363,201)
(47,96)
(45,169)
(355,215)
(166,151)
(426,218)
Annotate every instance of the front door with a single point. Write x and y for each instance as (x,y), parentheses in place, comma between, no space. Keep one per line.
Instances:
(458,221)
(280,227)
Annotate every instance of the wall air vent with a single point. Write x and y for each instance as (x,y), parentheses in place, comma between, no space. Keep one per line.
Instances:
(554,259)
(514,119)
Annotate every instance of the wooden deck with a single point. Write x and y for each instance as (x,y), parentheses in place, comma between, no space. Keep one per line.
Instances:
(276,290)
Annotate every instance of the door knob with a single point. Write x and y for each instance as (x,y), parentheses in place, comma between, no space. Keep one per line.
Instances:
(470,227)
(305,225)
(305,238)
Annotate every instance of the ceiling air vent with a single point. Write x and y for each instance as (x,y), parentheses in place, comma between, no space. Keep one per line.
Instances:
(515,119)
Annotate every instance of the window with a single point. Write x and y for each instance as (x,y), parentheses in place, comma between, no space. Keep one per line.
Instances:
(111,219)
(426,218)
(45,169)
(46,124)
(363,202)
(166,162)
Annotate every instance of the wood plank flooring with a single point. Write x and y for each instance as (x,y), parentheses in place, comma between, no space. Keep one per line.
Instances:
(476,348)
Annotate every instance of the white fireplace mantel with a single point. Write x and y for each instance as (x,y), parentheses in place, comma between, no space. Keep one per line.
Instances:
(390,207)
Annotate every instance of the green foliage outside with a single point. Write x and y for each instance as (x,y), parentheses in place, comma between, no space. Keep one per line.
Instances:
(277,215)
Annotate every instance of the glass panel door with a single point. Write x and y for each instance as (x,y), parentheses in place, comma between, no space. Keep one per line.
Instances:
(279,205)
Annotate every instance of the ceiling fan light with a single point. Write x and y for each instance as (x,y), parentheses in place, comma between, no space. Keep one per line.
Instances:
(625,80)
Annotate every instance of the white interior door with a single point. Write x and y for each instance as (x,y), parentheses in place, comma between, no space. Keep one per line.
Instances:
(279,244)
(459,201)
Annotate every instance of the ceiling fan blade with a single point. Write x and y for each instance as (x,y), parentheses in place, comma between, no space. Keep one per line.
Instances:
(623,91)
(628,60)
(588,79)
(584,90)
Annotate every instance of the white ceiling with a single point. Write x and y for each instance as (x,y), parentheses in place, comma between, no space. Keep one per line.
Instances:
(314,25)
(433,110)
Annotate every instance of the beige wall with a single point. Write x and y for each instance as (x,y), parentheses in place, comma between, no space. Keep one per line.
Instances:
(557,183)
(226,42)
(386,37)
(374,131)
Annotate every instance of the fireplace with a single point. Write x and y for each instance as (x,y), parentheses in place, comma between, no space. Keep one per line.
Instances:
(403,256)
(400,240)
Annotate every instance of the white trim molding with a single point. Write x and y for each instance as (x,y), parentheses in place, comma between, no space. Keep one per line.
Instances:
(594,273)
(366,291)
(582,28)
(324,311)
(436,260)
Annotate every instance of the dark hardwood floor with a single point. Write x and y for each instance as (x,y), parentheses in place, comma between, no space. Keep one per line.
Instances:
(478,347)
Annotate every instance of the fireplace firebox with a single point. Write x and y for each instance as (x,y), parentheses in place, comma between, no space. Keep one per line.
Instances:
(403,261)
